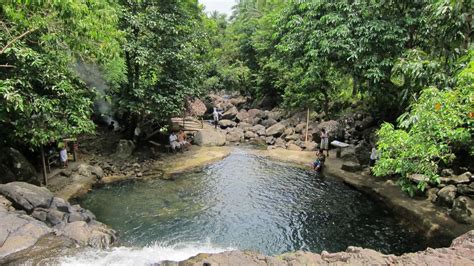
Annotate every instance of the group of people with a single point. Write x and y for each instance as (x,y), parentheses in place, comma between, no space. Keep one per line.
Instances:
(179,140)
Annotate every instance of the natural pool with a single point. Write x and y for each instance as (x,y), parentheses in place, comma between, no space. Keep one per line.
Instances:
(250,203)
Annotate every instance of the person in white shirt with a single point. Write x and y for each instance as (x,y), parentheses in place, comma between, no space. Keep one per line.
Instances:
(324,141)
(216,114)
(373,156)
(174,141)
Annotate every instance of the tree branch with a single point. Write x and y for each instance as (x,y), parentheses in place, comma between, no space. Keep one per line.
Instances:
(7,66)
(16,39)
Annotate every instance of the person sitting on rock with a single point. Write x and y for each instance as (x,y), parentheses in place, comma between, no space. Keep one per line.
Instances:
(174,141)
(182,139)
(320,159)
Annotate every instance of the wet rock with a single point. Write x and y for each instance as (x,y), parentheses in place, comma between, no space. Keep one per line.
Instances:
(351,167)
(462,211)
(268,122)
(447,195)
(294,147)
(231,113)
(124,149)
(209,137)
(432,194)
(447,172)
(26,196)
(454,180)
(15,167)
(466,190)
(95,234)
(275,130)
(227,123)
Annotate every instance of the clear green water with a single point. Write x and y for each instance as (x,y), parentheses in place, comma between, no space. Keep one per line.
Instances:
(250,203)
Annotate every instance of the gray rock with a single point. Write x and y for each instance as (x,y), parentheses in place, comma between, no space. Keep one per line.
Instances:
(227,123)
(447,172)
(15,167)
(293,137)
(268,122)
(209,137)
(417,178)
(310,146)
(462,211)
(124,149)
(362,152)
(97,171)
(432,194)
(466,190)
(275,130)
(289,131)
(259,129)
(447,195)
(256,113)
(244,125)
(300,128)
(250,135)
(231,113)
(270,140)
(454,180)
(40,214)
(26,196)
(243,116)
(294,147)
(275,115)
(19,232)
(55,217)
(75,217)
(236,135)
(93,234)
(280,143)
(351,167)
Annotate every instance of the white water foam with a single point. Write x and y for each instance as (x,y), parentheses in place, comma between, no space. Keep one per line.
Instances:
(140,256)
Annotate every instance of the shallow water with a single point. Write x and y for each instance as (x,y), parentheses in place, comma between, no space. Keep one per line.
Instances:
(250,203)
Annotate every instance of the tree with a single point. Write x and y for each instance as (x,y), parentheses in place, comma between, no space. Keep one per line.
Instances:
(42,98)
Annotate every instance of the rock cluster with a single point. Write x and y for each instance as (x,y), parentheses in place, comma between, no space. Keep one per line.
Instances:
(459,253)
(277,129)
(455,192)
(29,212)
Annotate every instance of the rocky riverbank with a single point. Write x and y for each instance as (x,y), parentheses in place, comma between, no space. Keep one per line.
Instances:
(460,252)
(29,213)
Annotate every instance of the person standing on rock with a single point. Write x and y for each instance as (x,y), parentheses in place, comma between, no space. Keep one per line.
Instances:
(373,157)
(216,115)
(324,141)
(63,154)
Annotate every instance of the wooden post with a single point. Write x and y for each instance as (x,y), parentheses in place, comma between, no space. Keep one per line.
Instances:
(307,125)
(43,163)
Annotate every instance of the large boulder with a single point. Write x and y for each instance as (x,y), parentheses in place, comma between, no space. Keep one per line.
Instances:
(293,137)
(300,128)
(294,147)
(274,115)
(250,135)
(275,130)
(195,108)
(243,116)
(447,195)
(19,232)
(244,125)
(310,146)
(92,234)
(15,167)
(462,211)
(209,137)
(231,113)
(238,101)
(226,123)
(362,152)
(467,190)
(26,196)
(124,149)
(332,127)
(256,113)
(235,135)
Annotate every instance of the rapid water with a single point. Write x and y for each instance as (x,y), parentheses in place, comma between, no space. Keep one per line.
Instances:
(242,202)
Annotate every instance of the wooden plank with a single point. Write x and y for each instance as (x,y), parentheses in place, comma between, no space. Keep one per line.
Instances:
(43,162)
